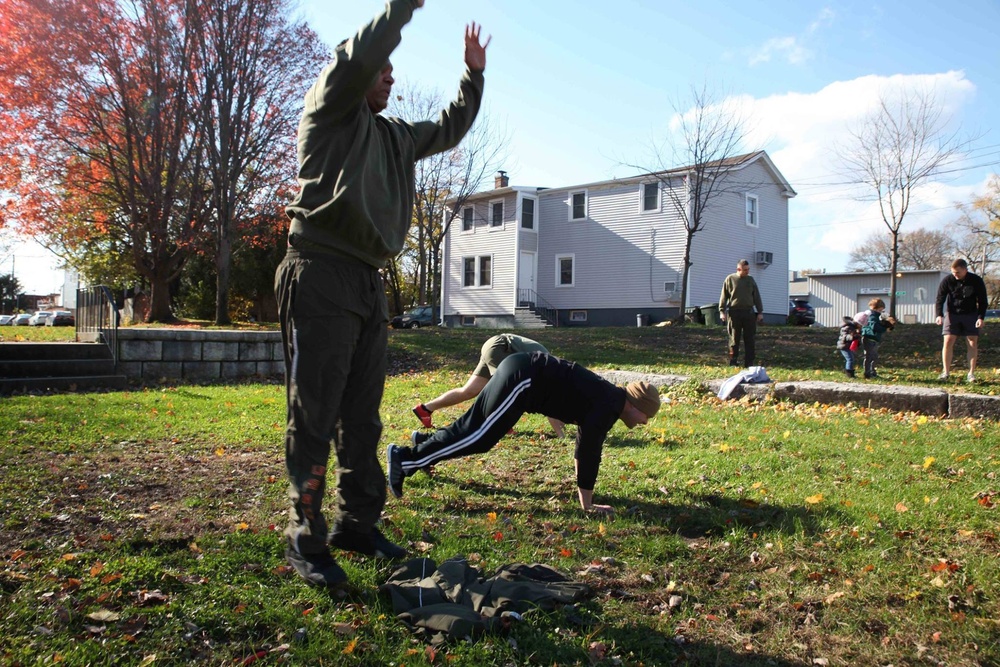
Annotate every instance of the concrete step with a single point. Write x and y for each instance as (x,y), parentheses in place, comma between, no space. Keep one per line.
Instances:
(23,385)
(50,351)
(45,368)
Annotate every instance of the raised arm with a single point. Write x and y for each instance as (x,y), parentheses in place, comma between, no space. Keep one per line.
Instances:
(343,83)
(432,137)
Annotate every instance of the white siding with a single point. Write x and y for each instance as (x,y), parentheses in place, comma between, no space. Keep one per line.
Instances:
(726,239)
(622,257)
(499,242)
(834,295)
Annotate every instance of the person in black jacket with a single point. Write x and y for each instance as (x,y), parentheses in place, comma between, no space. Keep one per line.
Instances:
(961,308)
(538,383)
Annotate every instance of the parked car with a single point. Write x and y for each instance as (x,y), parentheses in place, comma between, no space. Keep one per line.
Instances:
(421,316)
(39,318)
(61,318)
(800,313)
(6,319)
(21,319)
(993,314)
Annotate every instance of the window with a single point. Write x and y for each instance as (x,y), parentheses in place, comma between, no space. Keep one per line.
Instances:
(578,205)
(468,272)
(752,220)
(485,271)
(577,316)
(527,213)
(650,197)
(477,271)
(564,271)
(468,320)
(670,286)
(496,214)
(467,219)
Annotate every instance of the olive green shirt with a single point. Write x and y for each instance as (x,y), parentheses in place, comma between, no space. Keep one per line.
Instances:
(740,292)
(498,348)
(356,168)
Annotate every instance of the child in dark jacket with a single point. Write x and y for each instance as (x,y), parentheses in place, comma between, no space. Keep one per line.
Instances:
(871,334)
(850,337)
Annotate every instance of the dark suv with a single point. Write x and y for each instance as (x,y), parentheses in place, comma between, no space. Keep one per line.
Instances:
(414,318)
(800,313)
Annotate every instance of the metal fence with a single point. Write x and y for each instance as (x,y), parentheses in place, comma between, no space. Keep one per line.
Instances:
(97,318)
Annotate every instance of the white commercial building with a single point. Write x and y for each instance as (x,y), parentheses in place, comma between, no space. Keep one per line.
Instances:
(834,295)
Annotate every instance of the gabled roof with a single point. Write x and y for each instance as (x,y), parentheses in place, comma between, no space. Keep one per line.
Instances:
(734,163)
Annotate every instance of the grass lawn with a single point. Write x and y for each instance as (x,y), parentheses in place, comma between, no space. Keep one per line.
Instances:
(143,527)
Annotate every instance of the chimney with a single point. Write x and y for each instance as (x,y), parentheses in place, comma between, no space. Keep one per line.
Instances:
(501,180)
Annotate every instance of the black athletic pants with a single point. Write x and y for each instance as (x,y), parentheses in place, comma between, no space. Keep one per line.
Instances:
(491,416)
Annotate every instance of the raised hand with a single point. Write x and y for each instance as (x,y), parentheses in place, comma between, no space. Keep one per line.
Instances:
(418,3)
(475,53)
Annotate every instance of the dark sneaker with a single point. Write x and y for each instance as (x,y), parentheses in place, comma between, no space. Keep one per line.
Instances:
(849,372)
(373,543)
(317,569)
(424,415)
(418,436)
(394,462)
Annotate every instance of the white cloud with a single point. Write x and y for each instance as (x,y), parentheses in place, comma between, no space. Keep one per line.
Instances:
(801,132)
(787,47)
(793,49)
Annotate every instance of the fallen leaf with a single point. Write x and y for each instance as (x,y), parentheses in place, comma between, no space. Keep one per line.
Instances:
(812,500)
(834,596)
(928,462)
(351,645)
(103,616)
(900,507)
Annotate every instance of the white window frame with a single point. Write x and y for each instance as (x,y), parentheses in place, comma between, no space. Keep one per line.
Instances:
(586,204)
(534,214)
(475,271)
(559,258)
(642,198)
(752,219)
(477,263)
(493,203)
(479,271)
(672,284)
(467,320)
(461,218)
(577,316)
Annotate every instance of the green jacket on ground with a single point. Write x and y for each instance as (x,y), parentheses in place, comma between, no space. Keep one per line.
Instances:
(356,168)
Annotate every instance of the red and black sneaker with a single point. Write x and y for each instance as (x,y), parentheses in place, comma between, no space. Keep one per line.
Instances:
(424,415)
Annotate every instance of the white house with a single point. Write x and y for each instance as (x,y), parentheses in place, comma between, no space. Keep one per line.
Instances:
(602,253)
(834,295)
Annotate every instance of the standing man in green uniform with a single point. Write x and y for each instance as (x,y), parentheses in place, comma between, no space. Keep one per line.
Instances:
(741,296)
(494,350)
(351,214)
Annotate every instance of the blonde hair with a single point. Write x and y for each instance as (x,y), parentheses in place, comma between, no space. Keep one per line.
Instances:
(876,303)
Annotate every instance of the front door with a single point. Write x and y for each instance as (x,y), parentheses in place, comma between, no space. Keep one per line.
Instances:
(526,279)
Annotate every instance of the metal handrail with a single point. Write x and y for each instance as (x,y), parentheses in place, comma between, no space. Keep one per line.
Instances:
(97,318)
(538,305)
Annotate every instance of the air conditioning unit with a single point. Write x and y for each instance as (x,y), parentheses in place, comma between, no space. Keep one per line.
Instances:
(764,258)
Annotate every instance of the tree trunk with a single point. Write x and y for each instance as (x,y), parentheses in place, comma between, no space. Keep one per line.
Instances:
(223,269)
(684,276)
(894,262)
(159,300)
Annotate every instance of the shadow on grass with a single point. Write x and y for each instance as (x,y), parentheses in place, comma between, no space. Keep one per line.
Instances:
(693,516)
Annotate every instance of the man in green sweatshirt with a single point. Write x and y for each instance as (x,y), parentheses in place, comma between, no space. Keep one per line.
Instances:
(350,216)
(740,296)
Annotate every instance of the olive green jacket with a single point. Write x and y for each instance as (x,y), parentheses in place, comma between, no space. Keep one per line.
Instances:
(356,168)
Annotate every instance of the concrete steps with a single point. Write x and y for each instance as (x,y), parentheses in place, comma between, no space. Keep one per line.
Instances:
(28,367)
(525,318)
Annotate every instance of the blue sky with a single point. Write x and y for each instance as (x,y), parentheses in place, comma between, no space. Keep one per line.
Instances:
(586,87)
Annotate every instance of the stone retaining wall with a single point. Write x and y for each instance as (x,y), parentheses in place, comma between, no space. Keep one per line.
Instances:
(199,354)
(899,398)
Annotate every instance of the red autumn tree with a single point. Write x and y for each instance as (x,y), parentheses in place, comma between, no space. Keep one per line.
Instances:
(152,131)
